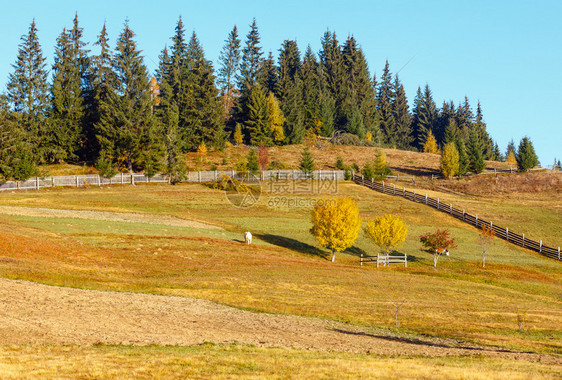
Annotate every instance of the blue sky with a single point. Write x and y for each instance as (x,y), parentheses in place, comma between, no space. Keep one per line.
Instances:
(507,54)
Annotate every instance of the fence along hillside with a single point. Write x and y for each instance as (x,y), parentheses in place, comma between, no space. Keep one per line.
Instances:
(501,232)
(128,178)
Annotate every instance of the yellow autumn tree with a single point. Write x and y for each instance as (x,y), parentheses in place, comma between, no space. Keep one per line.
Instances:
(275,118)
(387,232)
(202,150)
(336,224)
(430,145)
(238,137)
(511,158)
(450,160)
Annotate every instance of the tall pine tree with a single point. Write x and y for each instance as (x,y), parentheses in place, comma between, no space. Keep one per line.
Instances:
(126,130)
(401,117)
(70,78)
(385,98)
(229,61)
(28,92)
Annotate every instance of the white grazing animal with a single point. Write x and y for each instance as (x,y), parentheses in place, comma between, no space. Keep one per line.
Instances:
(248,237)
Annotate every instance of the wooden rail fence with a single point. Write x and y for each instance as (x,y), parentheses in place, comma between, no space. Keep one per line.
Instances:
(501,232)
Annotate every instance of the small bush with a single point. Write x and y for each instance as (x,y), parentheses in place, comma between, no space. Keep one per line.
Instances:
(339,163)
(276,164)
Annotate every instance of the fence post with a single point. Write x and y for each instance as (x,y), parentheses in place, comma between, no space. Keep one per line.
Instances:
(540,246)
(463,215)
(491,224)
(523,240)
(199,176)
(476,221)
(383,186)
(451,208)
(405,260)
(393,189)
(132,179)
(122,179)
(437,203)
(432,177)
(558,253)
(363,180)
(506,233)
(334,175)
(425,198)
(403,191)
(53,181)
(361,260)
(37,183)
(99,180)
(76,180)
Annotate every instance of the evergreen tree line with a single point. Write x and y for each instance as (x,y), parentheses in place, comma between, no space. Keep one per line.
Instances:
(106,107)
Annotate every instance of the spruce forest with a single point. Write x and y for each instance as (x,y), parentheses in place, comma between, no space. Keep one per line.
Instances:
(100,105)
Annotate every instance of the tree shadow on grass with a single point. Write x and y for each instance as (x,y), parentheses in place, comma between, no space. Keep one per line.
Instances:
(295,245)
(423,342)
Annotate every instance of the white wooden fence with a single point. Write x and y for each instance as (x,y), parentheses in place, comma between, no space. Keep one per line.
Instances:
(127,178)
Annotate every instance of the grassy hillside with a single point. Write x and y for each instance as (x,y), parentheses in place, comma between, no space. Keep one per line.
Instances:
(325,154)
(284,271)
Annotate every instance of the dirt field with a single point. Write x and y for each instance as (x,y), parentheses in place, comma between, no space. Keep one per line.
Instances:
(32,313)
(104,215)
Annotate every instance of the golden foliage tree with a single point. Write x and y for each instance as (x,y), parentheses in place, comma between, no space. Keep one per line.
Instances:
(450,160)
(336,224)
(202,150)
(387,232)
(275,118)
(511,158)
(238,137)
(430,144)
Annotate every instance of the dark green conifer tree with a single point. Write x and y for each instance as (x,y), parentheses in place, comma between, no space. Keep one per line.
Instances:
(28,90)
(311,91)
(16,159)
(229,61)
(446,114)
(126,128)
(249,71)
(451,132)
(256,126)
(465,119)
(290,91)
(268,75)
(168,115)
(100,82)
(485,139)
(476,162)
(526,156)
(385,98)
(333,73)
(424,116)
(359,93)
(203,107)
(463,157)
(68,93)
(307,164)
(401,116)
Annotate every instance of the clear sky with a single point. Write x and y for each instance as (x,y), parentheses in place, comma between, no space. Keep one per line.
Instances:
(507,54)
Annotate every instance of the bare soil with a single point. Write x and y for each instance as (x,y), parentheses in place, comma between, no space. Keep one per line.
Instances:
(166,220)
(32,313)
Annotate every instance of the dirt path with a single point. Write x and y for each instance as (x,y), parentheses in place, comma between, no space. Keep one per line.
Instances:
(33,313)
(104,215)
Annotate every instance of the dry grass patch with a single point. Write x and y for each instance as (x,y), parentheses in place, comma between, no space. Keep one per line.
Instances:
(239,361)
